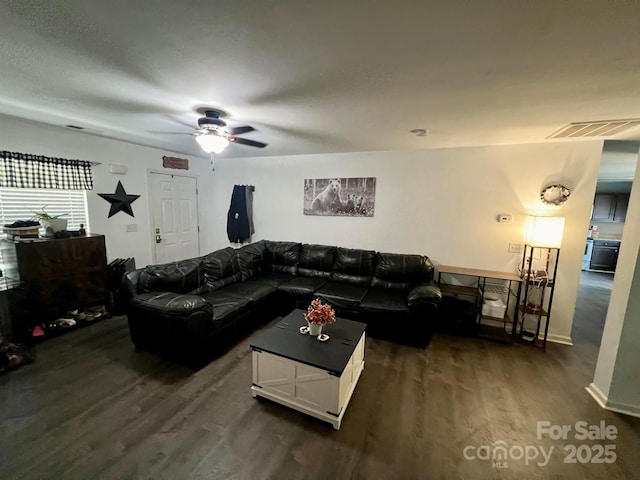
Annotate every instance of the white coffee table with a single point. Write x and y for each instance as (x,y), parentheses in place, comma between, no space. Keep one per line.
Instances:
(299,371)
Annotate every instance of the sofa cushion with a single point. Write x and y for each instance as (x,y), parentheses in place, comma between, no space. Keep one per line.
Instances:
(178,277)
(282,257)
(221,269)
(251,258)
(316,260)
(225,306)
(251,290)
(353,266)
(341,295)
(384,302)
(302,287)
(424,293)
(399,272)
(171,303)
(275,279)
(211,283)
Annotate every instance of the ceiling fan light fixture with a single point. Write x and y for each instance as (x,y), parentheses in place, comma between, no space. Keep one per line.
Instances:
(212,143)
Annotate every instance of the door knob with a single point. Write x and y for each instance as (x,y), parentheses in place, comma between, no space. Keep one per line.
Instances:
(158,238)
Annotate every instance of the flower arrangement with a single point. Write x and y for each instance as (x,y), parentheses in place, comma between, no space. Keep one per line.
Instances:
(319,313)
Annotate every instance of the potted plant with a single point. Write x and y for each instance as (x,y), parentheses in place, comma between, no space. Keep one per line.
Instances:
(319,314)
(50,223)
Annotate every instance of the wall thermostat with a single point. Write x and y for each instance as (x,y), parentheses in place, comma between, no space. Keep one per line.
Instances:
(505,218)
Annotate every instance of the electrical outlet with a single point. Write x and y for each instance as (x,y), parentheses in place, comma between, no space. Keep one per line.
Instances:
(515,247)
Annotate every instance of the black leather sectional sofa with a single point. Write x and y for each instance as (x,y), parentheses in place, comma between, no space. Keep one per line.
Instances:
(192,309)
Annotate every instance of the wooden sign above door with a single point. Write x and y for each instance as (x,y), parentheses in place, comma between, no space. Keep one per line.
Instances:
(175,162)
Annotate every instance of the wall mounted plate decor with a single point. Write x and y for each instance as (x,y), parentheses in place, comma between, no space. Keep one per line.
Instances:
(120,201)
(555,195)
(351,197)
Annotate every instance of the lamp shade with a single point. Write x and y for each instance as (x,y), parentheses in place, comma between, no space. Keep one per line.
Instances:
(544,232)
(212,143)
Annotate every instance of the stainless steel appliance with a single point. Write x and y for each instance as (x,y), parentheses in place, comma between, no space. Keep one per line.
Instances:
(605,255)
(588,249)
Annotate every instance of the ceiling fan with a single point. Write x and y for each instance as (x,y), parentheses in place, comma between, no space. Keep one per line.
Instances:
(213,135)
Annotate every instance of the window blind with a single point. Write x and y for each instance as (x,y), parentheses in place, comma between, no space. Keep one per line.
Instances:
(20,203)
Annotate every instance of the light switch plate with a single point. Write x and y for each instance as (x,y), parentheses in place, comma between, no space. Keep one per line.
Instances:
(132,227)
(515,247)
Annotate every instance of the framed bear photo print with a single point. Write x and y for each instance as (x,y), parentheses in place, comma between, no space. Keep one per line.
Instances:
(350,197)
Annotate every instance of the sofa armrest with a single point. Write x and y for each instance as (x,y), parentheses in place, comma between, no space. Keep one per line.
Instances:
(129,283)
(424,293)
(173,304)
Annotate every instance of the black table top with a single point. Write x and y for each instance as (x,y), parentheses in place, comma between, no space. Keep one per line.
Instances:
(285,340)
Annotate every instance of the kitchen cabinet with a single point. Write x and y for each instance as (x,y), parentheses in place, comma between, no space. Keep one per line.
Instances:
(622,203)
(604,207)
(609,207)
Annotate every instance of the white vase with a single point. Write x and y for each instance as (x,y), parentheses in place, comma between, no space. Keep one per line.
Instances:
(53,225)
(314,330)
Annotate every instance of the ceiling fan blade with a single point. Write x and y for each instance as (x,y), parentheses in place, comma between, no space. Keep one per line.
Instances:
(240,130)
(160,132)
(246,141)
(175,119)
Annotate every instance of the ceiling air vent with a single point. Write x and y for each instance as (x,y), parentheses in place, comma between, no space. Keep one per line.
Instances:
(603,128)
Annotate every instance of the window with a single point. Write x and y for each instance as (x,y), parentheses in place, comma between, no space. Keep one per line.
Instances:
(32,183)
(20,203)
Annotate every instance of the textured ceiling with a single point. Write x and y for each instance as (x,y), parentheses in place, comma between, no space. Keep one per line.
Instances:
(315,76)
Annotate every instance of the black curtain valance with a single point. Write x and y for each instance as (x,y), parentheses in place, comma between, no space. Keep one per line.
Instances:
(24,170)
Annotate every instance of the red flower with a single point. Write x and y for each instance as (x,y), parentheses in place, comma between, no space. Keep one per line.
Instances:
(320,313)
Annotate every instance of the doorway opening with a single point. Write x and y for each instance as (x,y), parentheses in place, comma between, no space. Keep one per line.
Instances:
(603,240)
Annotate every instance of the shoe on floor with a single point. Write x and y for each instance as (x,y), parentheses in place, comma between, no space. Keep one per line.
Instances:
(65,322)
(37,331)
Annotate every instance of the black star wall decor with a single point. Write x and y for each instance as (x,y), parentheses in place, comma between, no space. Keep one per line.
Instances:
(120,201)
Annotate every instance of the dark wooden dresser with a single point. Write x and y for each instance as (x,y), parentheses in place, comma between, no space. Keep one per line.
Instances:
(58,275)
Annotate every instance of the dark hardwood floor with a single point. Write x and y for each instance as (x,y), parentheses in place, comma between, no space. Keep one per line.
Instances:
(91,407)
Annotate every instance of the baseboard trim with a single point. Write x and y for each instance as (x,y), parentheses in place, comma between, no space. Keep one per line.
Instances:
(597,395)
(559,339)
(602,400)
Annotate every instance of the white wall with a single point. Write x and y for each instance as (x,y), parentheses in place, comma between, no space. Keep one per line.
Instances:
(40,139)
(442,203)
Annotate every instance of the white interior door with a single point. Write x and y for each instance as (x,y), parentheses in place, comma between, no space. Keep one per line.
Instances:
(174,211)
